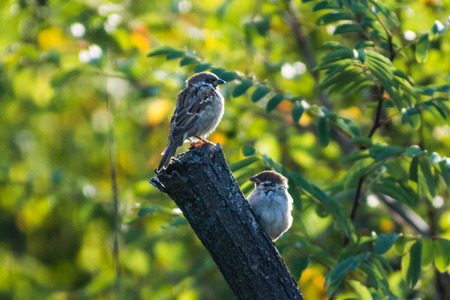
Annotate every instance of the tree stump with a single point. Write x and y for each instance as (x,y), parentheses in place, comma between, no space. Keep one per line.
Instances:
(202,185)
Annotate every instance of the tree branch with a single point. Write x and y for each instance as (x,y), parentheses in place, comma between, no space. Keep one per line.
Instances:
(201,184)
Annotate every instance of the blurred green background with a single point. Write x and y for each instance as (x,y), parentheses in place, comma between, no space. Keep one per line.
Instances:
(62,62)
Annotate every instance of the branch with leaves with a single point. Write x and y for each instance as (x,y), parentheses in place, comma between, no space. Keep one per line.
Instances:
(404,174)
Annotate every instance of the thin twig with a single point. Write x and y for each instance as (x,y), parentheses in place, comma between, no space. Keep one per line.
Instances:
(115,198)
(376,122)
(356,199)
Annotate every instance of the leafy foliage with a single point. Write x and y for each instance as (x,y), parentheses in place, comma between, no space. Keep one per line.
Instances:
(361,135)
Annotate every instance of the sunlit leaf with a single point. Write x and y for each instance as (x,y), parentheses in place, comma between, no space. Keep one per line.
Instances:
(415,263)
(413,151)
(425,166)
(422,47)
(243,163)
(427,252)
(159,51)
(441,254)
(384,242)
(445,172)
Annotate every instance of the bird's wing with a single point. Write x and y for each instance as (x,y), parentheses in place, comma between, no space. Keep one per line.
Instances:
(190,103)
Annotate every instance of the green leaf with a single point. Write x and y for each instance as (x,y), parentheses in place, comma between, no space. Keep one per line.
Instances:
(262,25)
(435,158)
(441,254)
(422,47)
(325,5)
(362,140)
(241,88)
(361,290)
(159,51)
(243,163)
(400,245)
(427,252)
(202,67)
(361,44)
(172,54)
(381,152)
(348,28)
(437,30)
(425,166)
(332,17)
(248,150)
(338,55)
(149,210)
(273,102)
(229,76)
(412,117)
(218,71)
(414,170)
(187,60)
(323,126)
(259,93)
(354,156)
(401,74)
(297,111)
(299,265)
(300,181)
(384,242)
(445,172)
(415,263)
(413,151)
(293,191)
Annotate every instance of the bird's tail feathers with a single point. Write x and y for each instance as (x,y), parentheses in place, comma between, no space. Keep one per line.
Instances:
(168,153)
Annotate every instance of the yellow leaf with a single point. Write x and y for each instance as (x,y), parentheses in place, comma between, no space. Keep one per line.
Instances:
(305,120)
(49,38)
(157,111)
(219,137)
(351,113)
(311,284)
(140,41)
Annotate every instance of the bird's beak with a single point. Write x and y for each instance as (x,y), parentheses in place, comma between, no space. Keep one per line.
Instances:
(218,82)
(254,179)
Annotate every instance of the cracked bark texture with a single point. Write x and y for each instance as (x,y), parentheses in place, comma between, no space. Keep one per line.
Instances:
(202,185)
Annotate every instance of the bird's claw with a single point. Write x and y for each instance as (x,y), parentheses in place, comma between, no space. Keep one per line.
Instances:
(201,143)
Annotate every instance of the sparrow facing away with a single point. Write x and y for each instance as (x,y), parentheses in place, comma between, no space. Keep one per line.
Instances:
(271,203)
(198,111)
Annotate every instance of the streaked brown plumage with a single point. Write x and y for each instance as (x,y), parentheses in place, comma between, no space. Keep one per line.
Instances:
(198,111)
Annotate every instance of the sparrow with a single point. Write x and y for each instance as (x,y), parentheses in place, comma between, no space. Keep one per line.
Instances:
(271,203)
(198,111)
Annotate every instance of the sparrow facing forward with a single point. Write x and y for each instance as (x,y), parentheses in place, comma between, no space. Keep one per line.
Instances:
(271,203)
(198,111)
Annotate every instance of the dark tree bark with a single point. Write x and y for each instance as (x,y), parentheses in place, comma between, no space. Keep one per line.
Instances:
(201,184)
